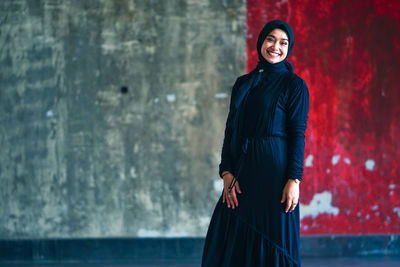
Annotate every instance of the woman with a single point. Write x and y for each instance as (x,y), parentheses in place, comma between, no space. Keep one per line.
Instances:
(256,220)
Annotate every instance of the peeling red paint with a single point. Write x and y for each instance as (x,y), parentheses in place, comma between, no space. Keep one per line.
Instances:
(348,52)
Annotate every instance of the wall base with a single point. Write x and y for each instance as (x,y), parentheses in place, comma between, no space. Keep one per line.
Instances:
(178,250)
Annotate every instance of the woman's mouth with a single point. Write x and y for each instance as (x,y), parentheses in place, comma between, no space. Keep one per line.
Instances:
(273,54)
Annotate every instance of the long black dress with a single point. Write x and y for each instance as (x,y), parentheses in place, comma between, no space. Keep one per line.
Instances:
(263,147)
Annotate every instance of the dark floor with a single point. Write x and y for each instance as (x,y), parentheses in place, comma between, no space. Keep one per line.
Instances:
(325,262)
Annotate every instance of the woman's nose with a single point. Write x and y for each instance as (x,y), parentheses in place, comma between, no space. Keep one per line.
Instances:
(275,46)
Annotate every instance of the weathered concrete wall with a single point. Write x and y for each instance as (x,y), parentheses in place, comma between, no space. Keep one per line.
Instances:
(81,158)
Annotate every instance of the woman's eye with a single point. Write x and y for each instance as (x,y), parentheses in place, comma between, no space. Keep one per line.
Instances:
(284,43)
(270,39)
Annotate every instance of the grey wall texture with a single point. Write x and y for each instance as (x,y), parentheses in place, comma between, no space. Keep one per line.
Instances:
(81,157)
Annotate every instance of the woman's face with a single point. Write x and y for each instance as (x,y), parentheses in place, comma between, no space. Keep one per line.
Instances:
(275,46)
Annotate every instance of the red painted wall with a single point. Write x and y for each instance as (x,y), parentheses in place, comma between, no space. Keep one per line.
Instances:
(348,52)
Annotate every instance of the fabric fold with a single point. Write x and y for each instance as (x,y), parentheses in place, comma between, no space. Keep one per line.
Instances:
(243,245)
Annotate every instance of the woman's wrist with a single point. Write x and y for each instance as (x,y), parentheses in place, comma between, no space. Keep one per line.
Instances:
(297,181)
(224,173)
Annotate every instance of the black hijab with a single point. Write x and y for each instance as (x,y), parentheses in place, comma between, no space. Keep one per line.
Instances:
(269,27)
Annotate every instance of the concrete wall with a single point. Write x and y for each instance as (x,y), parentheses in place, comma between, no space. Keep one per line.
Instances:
(112,114)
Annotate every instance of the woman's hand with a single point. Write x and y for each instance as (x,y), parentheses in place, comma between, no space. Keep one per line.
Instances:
(290,194)
(230,198)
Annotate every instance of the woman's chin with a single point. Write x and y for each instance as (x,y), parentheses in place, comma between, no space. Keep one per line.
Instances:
(274,60)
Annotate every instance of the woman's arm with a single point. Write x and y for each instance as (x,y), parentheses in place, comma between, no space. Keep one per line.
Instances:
(226,163)
(296,124)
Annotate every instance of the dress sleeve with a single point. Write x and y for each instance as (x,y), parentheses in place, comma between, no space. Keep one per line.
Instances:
(296,124)
(226,163)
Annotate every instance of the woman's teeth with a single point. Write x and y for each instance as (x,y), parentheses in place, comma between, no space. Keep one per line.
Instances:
(273,54)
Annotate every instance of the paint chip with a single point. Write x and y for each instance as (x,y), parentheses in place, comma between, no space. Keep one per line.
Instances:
(375,207)
(49,113)
(221,95)
(335,159)
(309,160)
(321,203)
(110,47)
(171,98)
(132,172)
(174,233)
(155,233)
(392,186)
(156,100)
(328,170)
(397,210)
(148,233)
(347,161)
(369,164)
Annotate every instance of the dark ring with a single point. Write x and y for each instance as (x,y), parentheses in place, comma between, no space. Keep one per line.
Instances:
(232,184)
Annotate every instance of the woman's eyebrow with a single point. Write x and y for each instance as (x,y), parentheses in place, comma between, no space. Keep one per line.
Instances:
(271,35)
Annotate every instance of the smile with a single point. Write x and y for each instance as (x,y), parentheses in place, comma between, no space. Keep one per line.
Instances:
(273,54)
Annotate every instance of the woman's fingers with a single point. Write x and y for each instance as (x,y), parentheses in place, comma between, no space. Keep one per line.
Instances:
(283,196)
(294,204)
(227,180)
(291,204)
(288,204)
(237,187)
(228,199)
(234,198)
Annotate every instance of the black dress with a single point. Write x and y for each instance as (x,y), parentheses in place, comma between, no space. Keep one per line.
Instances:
(263,148)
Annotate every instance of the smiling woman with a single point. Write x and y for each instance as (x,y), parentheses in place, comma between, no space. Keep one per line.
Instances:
(256,220)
